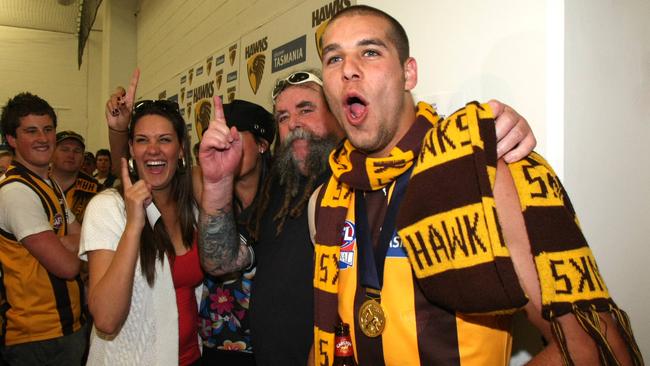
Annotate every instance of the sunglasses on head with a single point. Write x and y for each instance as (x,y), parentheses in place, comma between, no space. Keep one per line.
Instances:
(296,78)
(164,104)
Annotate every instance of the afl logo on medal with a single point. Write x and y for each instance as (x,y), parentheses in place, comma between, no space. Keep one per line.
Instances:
(347,245)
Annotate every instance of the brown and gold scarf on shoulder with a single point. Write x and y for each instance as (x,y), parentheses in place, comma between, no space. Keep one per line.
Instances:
(448,224)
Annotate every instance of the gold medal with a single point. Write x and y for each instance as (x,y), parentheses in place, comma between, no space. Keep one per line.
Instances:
(372,319)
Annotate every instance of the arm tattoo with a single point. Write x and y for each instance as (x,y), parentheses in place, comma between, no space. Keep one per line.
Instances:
(220,247)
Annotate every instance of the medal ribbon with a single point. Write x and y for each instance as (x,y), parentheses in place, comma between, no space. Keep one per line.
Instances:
(371,262)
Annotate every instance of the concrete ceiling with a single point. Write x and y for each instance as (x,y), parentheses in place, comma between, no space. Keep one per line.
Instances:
(49,15)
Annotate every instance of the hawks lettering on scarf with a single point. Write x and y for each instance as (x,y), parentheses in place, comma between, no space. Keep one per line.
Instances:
(449,227)
(448,218)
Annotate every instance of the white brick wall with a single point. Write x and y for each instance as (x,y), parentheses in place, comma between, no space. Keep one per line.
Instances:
(173,34)
(45,63)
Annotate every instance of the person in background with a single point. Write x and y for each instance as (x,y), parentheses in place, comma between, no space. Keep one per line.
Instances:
(224,309)
(88,166)
(104,174)
(78,187)
(145,274)
(281,307)
(65,168)
(39,237)
(5,159)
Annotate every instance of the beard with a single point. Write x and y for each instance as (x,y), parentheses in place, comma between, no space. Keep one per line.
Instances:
(288,168)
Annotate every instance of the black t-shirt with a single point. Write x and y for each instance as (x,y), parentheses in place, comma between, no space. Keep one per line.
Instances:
(282,297)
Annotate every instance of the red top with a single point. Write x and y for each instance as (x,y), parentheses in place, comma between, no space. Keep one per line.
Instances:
(187,274)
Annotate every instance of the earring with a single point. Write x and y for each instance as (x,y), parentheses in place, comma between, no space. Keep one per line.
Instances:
(182,165)
(131,167)
(261,150)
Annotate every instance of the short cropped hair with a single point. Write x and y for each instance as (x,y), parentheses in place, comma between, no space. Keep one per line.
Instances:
(21,106)
(104,152)
(396,32)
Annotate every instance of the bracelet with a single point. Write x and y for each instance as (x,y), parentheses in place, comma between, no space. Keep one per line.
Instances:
(118,131)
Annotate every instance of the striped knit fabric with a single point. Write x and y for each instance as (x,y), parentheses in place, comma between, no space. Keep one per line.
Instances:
(448,225)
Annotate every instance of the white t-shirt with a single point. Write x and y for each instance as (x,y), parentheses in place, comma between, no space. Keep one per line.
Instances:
(149,335)
(22,213)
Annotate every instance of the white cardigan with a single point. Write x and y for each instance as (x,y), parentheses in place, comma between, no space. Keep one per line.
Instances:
(149,336)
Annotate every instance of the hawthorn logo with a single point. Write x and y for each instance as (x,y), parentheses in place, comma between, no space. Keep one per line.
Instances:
(189,109)
(232,53)
(182,95)
(208,65)
(321,16)
(231,94)
(219,77)
(255,66)
(202,113)
(190,75)
(318,35)
(255,62)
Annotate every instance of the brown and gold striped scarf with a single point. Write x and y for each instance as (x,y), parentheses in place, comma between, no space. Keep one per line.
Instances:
(447,222)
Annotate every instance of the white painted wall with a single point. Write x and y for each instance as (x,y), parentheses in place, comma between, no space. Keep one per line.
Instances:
(607,129)
(477,50)
(94,99)
(45,63)
(172,34)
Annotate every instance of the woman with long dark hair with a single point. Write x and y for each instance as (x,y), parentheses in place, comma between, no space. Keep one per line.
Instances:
(140,246)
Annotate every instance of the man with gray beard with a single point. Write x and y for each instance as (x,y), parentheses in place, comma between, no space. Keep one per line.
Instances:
(281,308)
(286,165)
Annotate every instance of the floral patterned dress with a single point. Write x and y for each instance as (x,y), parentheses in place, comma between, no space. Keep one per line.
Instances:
(223,315)
(224,312)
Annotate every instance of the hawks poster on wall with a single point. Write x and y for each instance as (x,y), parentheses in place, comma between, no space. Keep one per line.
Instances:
(248,67)
(287,43)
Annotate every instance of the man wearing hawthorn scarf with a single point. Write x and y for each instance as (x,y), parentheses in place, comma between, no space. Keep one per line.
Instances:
(422,272)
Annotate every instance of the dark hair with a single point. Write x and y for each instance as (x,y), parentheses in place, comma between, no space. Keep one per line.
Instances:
(155,243)
(396,32)
(20,106)
(266,160)
(105,152)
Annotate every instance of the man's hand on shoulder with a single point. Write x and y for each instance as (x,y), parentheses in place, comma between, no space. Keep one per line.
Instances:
(515,138)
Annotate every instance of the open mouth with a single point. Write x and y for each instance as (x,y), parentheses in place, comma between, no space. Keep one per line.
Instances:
(42,148)
(356,107)
(155,165)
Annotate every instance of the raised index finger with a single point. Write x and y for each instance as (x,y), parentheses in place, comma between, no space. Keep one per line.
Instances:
(219,116)
(126,179)
(133,86)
